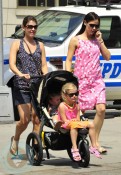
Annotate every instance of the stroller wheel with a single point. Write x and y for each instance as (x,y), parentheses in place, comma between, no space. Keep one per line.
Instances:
(34,150)
(84,152)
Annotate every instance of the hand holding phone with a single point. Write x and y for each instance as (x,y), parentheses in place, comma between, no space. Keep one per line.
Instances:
(98,36)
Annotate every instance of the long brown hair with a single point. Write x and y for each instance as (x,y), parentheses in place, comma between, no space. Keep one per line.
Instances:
(27,19)
(89,17)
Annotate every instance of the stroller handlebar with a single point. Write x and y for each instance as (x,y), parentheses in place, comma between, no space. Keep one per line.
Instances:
(31,77)
(35,76)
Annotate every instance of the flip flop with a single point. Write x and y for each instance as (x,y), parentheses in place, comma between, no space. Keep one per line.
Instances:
(102,150)
(95,152)
(13,149)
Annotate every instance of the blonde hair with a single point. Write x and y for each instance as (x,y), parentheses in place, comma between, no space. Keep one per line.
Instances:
(66,88)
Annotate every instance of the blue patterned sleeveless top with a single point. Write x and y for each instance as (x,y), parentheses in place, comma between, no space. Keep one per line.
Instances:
(27,65)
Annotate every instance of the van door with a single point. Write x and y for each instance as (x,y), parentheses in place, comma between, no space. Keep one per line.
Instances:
(110,27)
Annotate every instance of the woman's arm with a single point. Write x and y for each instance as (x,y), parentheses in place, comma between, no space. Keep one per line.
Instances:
(12,60)
(103,49)
(12,57)
(71,49)
(43,58)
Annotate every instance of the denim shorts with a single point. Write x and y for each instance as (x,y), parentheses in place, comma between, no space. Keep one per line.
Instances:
(21,96)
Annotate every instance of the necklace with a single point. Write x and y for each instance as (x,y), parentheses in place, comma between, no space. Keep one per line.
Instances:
(70,107)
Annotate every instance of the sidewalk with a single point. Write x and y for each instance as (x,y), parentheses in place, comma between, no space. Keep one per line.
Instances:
(59,163)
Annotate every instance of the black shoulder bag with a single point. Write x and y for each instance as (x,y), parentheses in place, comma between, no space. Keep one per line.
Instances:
(34,86)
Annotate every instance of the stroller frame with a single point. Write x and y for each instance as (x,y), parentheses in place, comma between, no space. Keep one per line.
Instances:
(35,144)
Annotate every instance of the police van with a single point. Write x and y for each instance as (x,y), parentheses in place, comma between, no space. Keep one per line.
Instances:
(58,25)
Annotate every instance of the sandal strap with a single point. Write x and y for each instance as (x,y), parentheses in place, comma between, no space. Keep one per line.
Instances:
(95,152)
(14,146)
(76,155)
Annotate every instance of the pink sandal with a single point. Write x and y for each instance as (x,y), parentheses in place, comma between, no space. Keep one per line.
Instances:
(75,154)
(95,152)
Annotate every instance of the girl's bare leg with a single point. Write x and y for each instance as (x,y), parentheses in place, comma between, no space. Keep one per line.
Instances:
(74,133)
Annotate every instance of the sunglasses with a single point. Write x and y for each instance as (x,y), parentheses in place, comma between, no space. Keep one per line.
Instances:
(31,27)
(94,25)
(72,94)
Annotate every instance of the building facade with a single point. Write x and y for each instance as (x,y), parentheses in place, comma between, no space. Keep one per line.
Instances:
(15,10)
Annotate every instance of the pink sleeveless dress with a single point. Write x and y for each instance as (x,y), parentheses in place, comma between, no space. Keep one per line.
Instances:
(71,113)
(88,71)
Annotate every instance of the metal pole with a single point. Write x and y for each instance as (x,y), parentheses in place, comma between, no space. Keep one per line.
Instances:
(56,3)
(6,103)
(1,45)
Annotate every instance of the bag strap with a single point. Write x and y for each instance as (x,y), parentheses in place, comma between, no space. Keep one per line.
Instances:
(32,56)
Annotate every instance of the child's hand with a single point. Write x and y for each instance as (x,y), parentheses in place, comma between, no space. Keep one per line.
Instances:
(74,119)
(49,110)
(66,121)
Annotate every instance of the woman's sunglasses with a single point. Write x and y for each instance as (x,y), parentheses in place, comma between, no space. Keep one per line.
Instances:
(31,27)
(94,25)
(72,94)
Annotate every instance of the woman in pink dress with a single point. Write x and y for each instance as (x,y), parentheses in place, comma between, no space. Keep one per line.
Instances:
(86,47)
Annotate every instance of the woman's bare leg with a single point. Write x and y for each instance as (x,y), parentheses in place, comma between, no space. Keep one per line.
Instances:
(21,125)
(24,113)
(36,122)
(98,120)
(93,149)
(92,134)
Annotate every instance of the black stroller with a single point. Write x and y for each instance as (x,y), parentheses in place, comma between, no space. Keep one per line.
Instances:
(35,144)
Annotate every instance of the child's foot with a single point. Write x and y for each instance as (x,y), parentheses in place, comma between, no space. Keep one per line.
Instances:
(58,125)
(95,152)
(75,154)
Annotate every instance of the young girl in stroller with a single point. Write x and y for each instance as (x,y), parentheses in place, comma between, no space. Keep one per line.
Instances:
(69,113)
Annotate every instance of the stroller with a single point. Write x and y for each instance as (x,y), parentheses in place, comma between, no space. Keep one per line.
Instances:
(35,144)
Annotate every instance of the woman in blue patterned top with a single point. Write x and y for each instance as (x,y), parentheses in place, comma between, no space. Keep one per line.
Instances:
(27,57)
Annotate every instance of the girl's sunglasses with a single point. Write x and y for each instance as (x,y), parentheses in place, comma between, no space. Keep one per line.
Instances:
(94,25)
(31,27)
(72,94)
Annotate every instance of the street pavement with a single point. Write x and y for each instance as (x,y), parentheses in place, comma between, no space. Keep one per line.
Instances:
(59,162)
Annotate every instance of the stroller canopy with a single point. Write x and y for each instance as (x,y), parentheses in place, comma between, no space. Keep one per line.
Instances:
(53,82)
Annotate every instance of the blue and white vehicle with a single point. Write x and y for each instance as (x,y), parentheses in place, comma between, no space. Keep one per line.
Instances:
(58,25)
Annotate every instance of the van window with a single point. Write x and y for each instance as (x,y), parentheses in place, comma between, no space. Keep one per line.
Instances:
(111,30)
(56,26)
